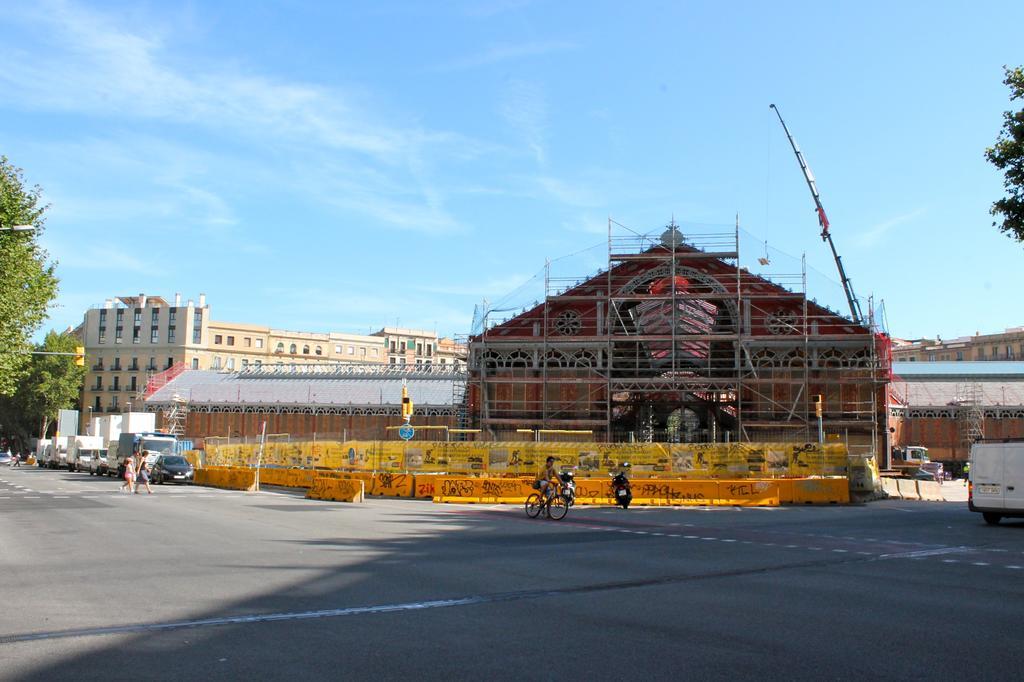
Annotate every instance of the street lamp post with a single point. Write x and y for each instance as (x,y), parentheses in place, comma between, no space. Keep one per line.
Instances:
(18,228)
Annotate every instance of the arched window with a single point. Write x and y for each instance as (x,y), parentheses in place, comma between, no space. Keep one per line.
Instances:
(293,349)
(319,350)
(280,347)
(305,350)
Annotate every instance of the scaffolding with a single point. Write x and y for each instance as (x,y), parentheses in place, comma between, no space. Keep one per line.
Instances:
(971,426)
(675,341)
(175,416)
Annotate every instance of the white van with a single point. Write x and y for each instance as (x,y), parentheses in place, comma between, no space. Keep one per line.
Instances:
(997,480)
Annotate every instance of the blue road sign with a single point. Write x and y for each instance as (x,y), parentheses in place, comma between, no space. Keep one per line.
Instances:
(406,432)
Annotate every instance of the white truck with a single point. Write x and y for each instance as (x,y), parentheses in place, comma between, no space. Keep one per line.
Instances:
(84,452)
(996,487)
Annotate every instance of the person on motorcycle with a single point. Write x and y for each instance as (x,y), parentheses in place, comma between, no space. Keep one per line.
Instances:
(547,479)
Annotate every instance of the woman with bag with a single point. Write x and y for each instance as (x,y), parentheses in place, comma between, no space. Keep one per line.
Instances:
(143,476)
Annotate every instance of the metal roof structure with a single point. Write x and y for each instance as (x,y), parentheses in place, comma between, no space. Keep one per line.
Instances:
(967,370)
(318,387)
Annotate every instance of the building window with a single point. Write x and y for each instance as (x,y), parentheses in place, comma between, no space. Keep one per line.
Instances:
(401,347)
(170,363)
(959,355)
(195,363)
(155,318)
(154,335)
(259,343)
(152,365)
(374,352)
(430,350)
(245,363)
(134,367)
(305,350)
(351,350)
(218,339)
(133,384)
(197,327)
(293,349)
(137,335)
(259,363)
(99,384)
(319,350)
(362,351)
(96,405)
(231,364)
(170,334)
(103,335)
(113,402)
(103,317)
(216,364)
(401,361)
(171,316)
(120,316)
(118,331)
(419,349)
(981,353)
(280,348)
(247,341)
(337,348)
(137,319)
(117,365)
(392,346)
(231,340)
(116,386)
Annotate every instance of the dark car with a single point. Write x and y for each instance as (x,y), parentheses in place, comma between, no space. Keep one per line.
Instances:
(930,471)
(171,469)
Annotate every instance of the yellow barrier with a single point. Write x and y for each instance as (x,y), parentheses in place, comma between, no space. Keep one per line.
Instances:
(651,460)
(821,491)
(653,492)
(232,478)
(337,489)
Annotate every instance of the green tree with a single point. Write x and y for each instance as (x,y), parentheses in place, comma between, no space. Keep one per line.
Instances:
(1008,156)
(52,383)
(27,282)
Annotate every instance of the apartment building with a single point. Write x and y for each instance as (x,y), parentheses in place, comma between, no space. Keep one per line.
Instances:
(420,347)
(1006,345)
(128,339)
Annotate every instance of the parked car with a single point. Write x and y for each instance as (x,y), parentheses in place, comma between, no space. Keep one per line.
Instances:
(98,464)
(934,469)
(171,469)
(6,458)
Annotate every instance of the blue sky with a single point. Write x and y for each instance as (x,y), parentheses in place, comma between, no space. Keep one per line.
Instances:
(345,166)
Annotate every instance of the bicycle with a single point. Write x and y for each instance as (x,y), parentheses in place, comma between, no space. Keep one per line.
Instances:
(556,506)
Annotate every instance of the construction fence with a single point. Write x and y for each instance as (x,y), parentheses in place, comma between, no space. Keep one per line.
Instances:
(513,459)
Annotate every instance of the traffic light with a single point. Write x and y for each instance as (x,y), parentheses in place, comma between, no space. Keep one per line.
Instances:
(80,356)
(816,399)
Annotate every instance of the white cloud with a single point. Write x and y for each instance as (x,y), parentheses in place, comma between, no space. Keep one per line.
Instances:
(524,107)
(505,52)
(876,232)
(88,63)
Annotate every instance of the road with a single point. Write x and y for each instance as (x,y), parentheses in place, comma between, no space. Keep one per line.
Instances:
(197,583)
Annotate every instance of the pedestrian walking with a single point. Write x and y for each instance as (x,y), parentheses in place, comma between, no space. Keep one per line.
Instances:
(17,461)
(129,474)
(143,476)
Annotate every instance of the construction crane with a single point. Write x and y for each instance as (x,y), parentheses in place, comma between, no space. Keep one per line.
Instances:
(826,236)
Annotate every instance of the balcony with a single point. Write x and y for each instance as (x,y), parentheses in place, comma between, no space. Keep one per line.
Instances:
(112,408)
(97,367)
(151,368)
(134,367)
(97,387)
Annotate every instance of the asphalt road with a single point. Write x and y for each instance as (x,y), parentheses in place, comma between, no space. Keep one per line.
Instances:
(193,583)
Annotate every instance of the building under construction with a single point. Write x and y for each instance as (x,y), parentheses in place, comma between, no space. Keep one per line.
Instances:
(674,341)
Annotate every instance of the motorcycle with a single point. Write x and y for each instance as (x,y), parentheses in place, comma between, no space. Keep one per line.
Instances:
(568,486)
(621,491)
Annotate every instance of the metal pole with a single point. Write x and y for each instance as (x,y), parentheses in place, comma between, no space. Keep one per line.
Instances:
(259,456)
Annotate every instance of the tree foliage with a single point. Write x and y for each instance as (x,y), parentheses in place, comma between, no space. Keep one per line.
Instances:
(51,383)
(1008,156)
(27,282)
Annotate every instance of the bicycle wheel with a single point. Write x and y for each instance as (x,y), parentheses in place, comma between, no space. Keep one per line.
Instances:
(533,505)
(558,507)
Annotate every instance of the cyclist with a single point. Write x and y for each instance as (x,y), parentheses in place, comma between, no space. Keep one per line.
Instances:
(547,479)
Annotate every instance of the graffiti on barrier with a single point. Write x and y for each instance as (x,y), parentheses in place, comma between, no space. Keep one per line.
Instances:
(457,488)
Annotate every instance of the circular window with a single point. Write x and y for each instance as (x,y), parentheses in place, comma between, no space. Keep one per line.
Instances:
(568,323)
(782,322)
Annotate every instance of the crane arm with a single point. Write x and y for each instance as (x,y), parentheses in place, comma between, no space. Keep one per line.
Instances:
(826,236)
